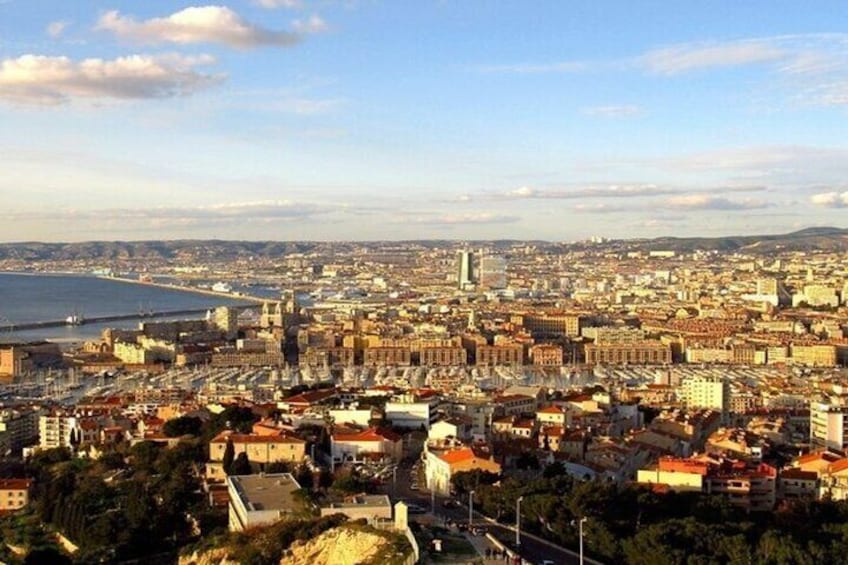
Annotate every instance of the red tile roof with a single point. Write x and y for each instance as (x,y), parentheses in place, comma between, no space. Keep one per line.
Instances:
(255,438)
(370,434)
(15,484)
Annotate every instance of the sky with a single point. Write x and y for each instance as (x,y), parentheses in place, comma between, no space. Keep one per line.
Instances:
(420,119)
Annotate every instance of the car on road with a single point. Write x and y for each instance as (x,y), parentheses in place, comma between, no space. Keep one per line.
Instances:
(450,503)
(413,508)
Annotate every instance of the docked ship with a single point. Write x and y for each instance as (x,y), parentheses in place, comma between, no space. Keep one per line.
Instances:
(222,287)
(75,319)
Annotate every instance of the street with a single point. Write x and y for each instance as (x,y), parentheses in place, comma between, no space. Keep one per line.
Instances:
(532,549)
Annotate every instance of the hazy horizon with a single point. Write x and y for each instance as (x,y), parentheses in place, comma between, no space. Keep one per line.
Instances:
(413,240)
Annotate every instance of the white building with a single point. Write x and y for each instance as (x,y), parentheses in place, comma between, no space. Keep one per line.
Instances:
(410,415)
(828,424)
(351,416)
(260,499)
(371,443)
(706,391)
(55,430)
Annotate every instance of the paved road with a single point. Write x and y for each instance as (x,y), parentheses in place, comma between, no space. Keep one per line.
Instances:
(532,549)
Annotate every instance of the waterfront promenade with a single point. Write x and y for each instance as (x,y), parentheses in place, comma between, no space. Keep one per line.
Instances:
(206,291)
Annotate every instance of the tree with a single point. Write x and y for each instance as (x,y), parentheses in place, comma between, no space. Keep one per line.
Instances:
(229,455)
(144,455)
(467,481)
(184,425)
(527,460)
(241,465)
(279,467)
(46,556)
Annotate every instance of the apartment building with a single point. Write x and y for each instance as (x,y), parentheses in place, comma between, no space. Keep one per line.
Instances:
(635,353)
(706,391)
(443,356)
(18,428)
(316,357)
(494,355)
(57,430)
(387,356)
(829,424)
(546,355)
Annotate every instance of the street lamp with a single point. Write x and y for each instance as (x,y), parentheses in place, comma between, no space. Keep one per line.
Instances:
(470,508)
(433,499)
(394,479)
(518,521)
(580,523)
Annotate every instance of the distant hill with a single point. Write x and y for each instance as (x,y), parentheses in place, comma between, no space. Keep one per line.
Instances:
(809,239)
(187,251)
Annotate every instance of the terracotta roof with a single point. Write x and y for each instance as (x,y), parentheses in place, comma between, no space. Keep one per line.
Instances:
(15,484)
(509,397)
(255,438)
(838,466)
(311,396)
(457,455)
(552,431)
(550,410)
(819,456)
(799,474)
(370,434)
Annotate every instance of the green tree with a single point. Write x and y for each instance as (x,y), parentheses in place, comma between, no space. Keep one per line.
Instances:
(184,425)
(144,455)
(46,556)
(467,481)
(229,456)
(241,465)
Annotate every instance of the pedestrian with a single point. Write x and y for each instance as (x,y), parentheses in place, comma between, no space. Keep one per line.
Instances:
(488,553)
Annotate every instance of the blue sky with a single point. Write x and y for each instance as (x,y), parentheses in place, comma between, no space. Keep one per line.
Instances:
(334,119)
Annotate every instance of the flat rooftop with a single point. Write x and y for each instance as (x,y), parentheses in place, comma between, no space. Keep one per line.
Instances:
(363,501)
(266,491)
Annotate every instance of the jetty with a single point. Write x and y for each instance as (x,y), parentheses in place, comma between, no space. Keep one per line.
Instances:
(104,319)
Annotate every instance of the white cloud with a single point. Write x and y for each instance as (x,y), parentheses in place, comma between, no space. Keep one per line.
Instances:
(608,191)
(227,212)
(830,199)
(274,4)
(687,57)
(600,208)
(458,219)
(55,29)
(198,24)
(709,202)
(522,192)
(621,111)
(313,25)
(39,79)
(787,165)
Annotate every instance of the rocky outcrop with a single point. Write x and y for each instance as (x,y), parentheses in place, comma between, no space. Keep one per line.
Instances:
(218,556)
(339,546)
